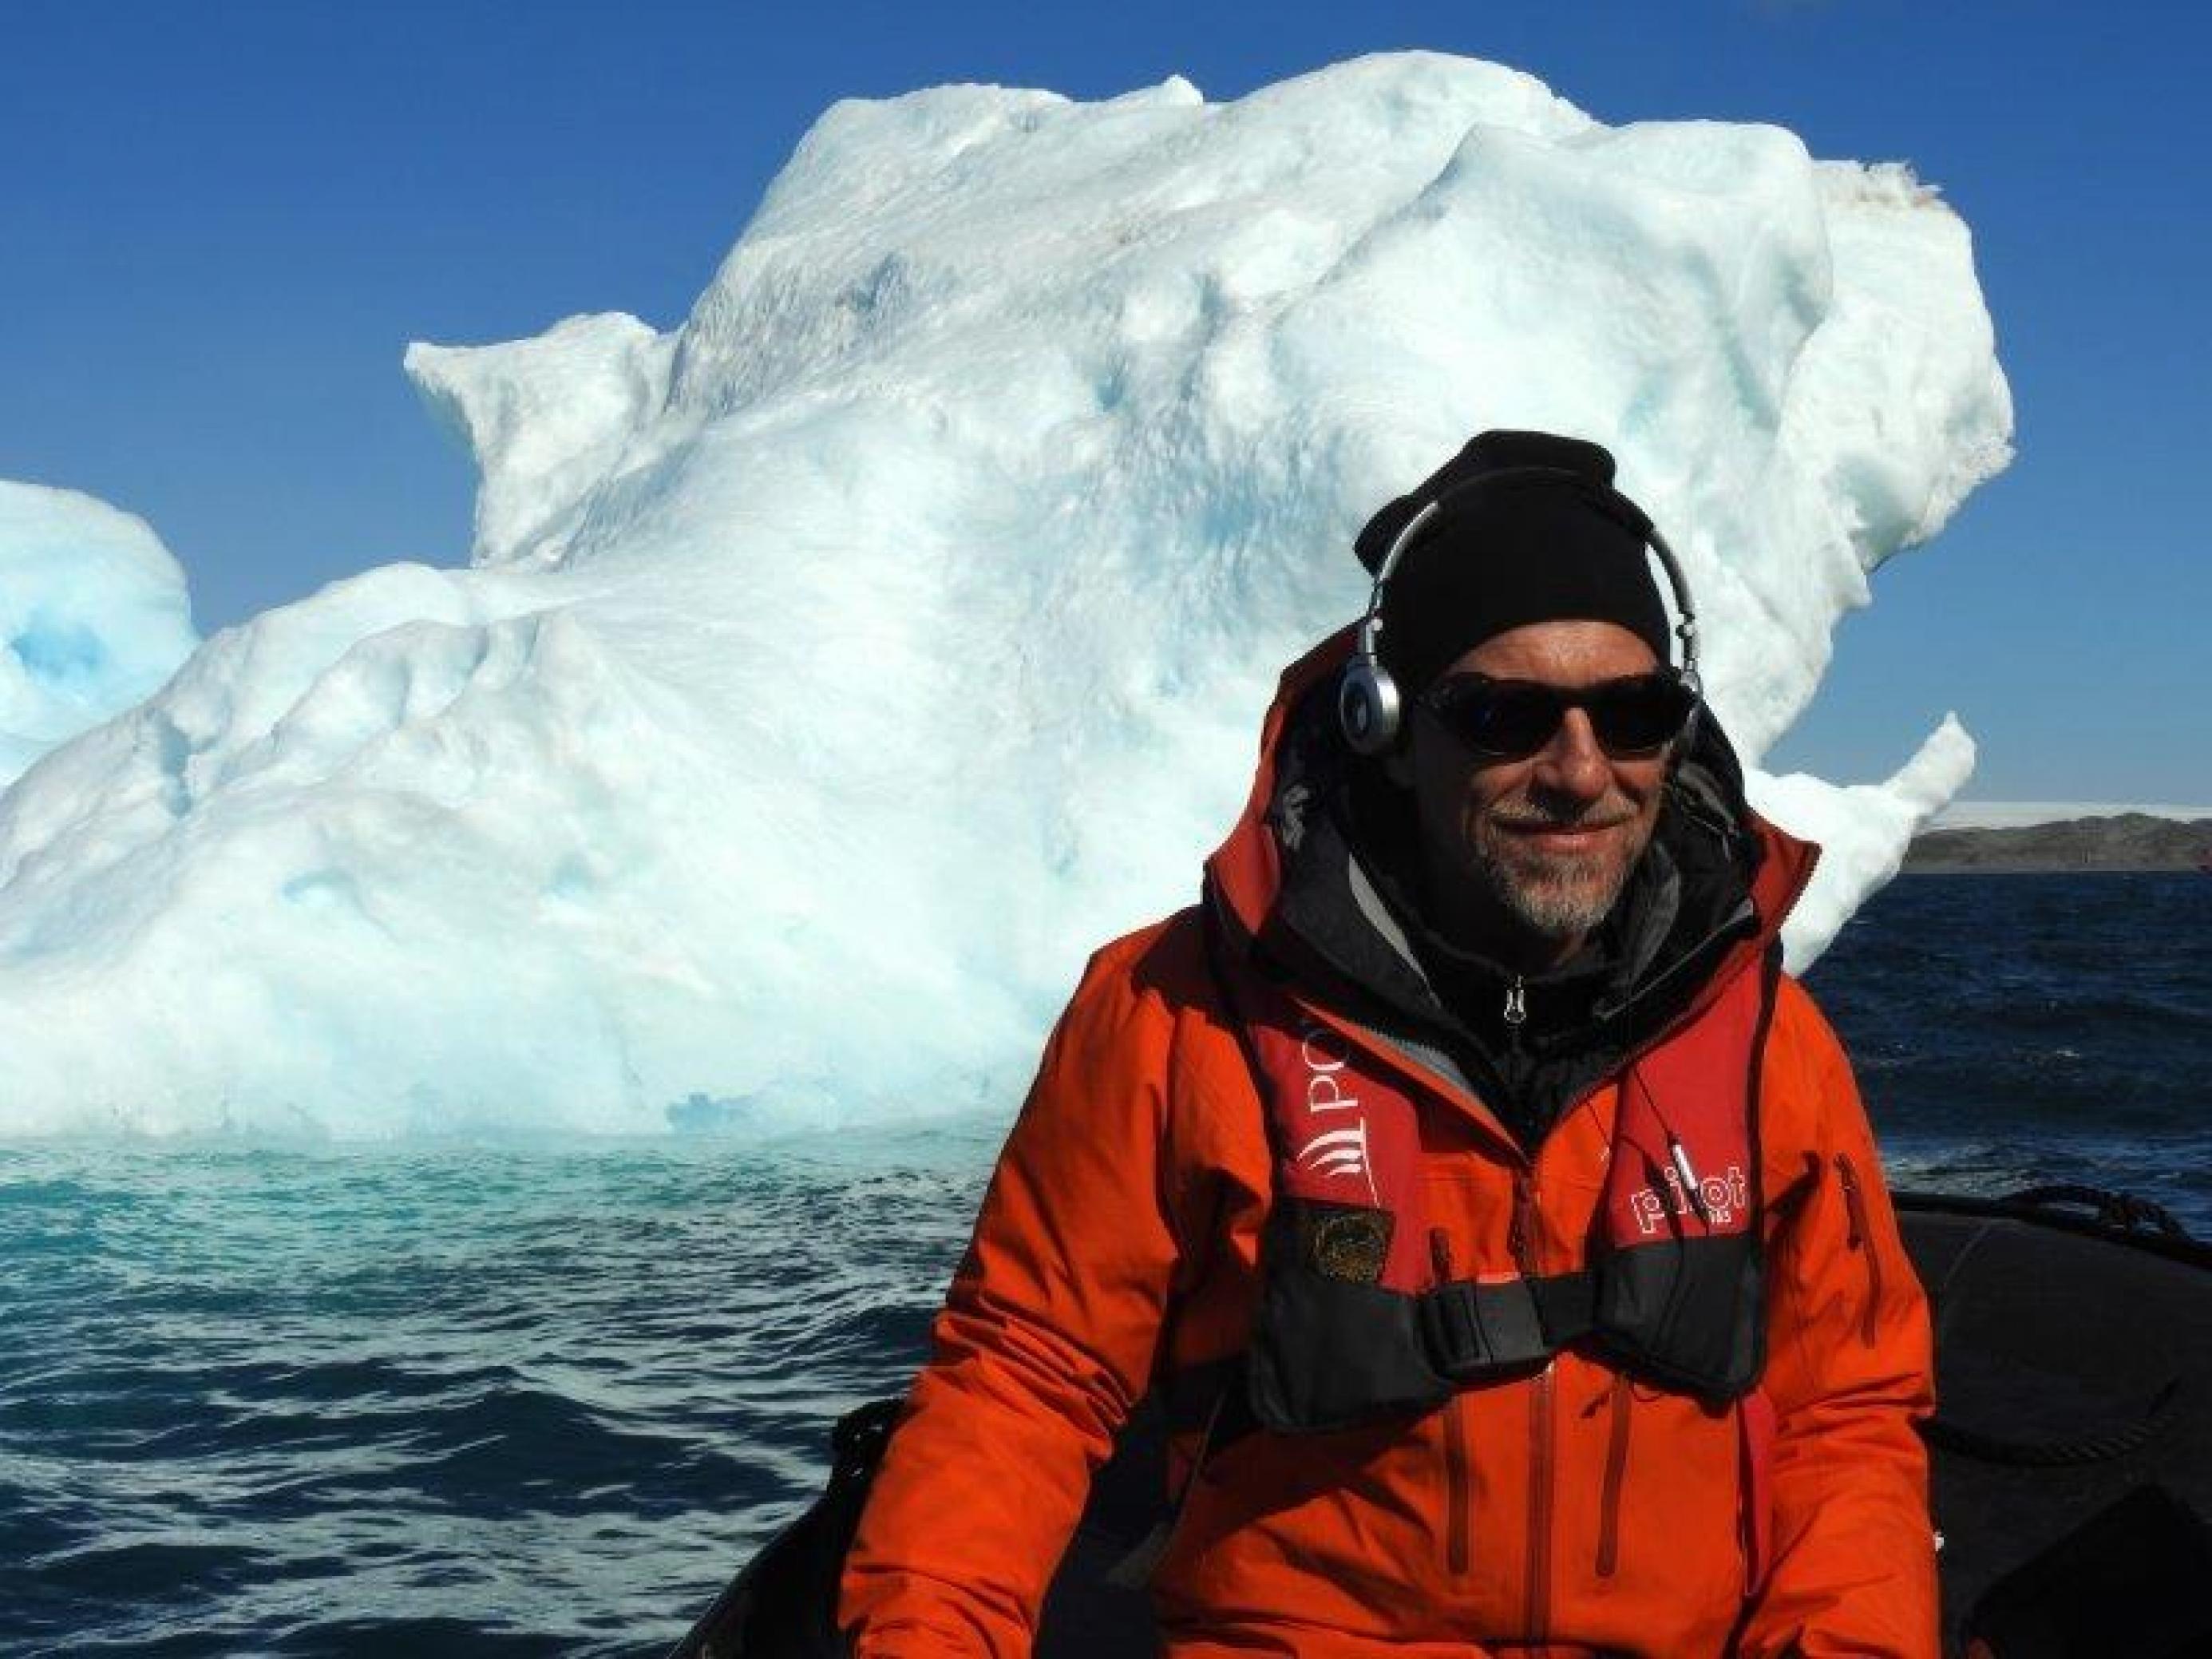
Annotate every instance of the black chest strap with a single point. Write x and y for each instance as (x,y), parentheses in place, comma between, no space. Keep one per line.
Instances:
(1475,1332)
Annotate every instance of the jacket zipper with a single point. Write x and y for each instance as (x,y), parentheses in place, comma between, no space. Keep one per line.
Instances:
(1860,1240)
(1455,1493)
(1537,1587)
(1379,1040)
(1616,1468)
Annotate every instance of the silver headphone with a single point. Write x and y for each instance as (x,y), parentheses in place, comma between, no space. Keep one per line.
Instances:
(1368,704)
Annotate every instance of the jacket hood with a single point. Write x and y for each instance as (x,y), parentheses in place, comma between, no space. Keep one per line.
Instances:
(1311,870)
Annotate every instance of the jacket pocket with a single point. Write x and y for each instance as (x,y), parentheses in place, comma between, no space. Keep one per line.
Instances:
(1755,1428)
(1861,1244)
(1616,1472)
(1456,1520)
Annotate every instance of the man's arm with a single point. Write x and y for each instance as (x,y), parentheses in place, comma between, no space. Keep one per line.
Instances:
(1045,1342)
(1850,1371)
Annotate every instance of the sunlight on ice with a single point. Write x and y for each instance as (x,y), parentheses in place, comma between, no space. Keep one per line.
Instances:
(833,671)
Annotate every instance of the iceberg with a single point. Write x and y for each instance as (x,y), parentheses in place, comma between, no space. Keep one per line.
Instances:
(833,671)
(94,613)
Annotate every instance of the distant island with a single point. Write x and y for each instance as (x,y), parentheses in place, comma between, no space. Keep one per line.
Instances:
(2127,841)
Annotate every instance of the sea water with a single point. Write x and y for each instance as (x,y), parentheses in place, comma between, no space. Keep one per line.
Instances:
(521,1398)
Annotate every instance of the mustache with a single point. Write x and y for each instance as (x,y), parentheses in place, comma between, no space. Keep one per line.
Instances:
(1537,818)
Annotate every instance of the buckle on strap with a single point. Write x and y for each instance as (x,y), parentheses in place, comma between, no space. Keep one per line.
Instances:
(1473,1330)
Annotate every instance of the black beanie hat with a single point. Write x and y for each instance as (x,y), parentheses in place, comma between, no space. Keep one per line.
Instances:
(1530,529)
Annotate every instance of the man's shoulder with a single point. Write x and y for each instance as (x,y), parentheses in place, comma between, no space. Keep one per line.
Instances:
(1151,1006)
(1807,1074)
(1164,960)
(1798,1020)
(1149,988)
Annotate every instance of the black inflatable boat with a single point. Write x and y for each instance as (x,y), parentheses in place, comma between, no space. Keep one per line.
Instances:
(2072,1456)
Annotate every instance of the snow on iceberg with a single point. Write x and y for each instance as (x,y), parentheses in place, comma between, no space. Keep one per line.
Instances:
(834,672)
(93,617)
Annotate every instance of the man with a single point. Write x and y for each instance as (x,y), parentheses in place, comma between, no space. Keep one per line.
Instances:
(1501,1226)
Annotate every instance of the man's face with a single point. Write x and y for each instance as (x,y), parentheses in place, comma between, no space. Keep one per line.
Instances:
(1551,837)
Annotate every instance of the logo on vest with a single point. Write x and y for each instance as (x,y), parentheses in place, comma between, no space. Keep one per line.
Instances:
(1721,1198)
(1334,1148)
(1350,1245)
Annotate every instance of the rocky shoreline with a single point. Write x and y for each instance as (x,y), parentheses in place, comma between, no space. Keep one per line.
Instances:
(2126,841)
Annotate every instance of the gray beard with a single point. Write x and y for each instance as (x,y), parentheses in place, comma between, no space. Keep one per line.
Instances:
(1559,902)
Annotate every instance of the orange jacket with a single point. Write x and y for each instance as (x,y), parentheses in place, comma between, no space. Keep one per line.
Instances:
(1579,1511)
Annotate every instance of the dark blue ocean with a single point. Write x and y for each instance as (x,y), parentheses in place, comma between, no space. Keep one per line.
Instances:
(417,1400)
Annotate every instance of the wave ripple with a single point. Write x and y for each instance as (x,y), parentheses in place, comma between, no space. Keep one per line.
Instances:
(496,1400)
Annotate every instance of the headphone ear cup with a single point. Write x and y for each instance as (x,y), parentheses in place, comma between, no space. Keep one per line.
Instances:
(1367,707)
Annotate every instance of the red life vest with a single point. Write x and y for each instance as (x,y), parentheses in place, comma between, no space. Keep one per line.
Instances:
(1351,1324)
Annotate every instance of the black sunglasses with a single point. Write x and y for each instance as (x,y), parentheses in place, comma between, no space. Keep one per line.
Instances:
(1513,719)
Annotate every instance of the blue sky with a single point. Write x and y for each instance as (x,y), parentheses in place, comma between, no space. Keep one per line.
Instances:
(220,223)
